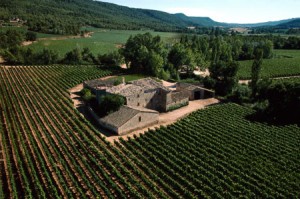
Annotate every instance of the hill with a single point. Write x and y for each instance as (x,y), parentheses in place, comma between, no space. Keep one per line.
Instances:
(263,24)
(199,21)
(67,16)
(293,23)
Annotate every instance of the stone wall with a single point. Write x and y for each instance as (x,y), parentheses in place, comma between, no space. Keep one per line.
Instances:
(156,99)
(141,120)
(137,99)
(176,99)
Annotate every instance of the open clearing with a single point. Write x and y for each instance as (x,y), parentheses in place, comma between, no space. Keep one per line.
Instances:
(100,42)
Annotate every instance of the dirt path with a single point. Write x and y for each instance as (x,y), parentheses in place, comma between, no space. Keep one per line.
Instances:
(75,96)
(170,117)
(202,73)
(286,77)
(1,60)
(27,43)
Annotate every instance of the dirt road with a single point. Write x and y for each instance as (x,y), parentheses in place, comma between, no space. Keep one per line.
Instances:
(286,77)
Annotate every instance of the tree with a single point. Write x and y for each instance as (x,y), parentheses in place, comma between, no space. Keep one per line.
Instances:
(111,59)
(30,36)
(10,39)
(283,102)
(255,70)
(47,57)
(224,74)
(73,57)
(177,56)
(182,57)
(110,103)
(155,64)
(87,55)
(139,49)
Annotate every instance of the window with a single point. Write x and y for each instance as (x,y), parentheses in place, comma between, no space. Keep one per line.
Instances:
(138,104)
(140,118)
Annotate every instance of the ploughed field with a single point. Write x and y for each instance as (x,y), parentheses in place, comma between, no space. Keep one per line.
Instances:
(48,150)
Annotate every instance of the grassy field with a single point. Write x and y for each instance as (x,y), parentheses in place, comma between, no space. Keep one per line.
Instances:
(102,41)
(284,63)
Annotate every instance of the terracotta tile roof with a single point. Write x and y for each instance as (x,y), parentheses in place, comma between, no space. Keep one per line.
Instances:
(123,115)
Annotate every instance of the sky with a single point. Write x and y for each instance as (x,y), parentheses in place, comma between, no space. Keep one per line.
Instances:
(230,11)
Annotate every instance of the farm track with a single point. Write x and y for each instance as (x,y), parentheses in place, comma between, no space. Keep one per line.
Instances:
(246,81)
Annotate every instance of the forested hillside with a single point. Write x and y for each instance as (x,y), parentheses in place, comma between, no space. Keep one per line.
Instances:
(67,16)
(295,23)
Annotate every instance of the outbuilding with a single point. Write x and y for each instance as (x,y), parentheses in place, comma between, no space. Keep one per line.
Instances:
(194,92)
(128,119)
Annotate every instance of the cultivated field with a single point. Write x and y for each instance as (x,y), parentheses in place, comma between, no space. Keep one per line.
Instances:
(48,150)
(285,63)
(102,41)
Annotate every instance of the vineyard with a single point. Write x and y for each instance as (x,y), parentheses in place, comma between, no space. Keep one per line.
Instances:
(287,63)
(48,150)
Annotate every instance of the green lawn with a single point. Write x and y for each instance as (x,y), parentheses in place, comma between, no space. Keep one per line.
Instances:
(284,63)
(102,41)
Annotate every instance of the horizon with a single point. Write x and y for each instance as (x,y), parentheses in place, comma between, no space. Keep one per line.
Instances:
(229,11)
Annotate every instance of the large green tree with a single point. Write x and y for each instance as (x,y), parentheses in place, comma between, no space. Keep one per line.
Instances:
(255,70)
(142,52)
(224,75)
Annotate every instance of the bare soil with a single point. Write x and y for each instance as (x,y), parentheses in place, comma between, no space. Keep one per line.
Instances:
(202,73)
(1,60)
(123,66)
(27,43)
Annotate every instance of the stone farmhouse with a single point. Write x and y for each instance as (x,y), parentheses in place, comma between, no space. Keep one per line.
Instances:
(145,98)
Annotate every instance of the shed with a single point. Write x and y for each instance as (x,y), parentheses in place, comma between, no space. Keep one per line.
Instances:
(128,119)
(195,92)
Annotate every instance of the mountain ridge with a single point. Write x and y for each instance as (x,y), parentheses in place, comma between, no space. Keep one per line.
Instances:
(67,16)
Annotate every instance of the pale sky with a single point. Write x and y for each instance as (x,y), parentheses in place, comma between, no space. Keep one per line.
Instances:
(231,11)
